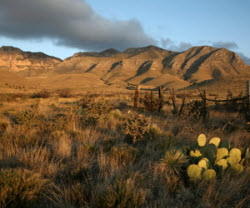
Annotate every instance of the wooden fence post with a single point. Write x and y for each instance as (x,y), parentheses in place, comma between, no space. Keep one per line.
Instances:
(182,105)
(137,91)
(204,105)
(247,102)
(173,98)
(151,101)
(160,99)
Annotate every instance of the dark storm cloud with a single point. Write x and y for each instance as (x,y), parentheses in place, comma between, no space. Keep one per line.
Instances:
(71,23)
(230,45)
(244,58)
(182,46)
(172,46)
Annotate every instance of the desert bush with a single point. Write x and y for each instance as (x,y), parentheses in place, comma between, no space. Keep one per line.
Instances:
(73,195)
(123,154)
(135,128)
(64,93)
(11,97)
(96,111)
(3,127)
(28,118)
(42,94)
(122,193)
(21,188)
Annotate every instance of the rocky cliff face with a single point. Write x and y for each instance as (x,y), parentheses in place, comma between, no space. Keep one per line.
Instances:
(17,60)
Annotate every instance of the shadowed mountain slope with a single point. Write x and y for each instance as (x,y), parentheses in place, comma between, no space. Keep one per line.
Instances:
(149,66)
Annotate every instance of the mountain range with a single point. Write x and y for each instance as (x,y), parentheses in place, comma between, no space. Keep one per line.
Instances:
(149,66)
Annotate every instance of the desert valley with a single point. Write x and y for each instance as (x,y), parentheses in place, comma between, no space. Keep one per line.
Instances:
(75,133)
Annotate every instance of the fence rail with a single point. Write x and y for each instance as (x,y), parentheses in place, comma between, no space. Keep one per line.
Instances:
(204,106)
(228,100)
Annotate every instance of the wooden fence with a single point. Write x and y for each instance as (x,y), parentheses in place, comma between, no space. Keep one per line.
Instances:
(204,102)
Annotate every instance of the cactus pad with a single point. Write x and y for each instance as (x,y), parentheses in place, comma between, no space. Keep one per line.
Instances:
(209,152)
(194,172)
(235,152)
(237,169)
(195,153)
(221,153)
(215,141)
(222,163)
(232,160)
(202,140)
(209,174)
(224,144)
(204,163)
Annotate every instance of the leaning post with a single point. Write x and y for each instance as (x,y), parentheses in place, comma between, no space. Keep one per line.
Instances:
(137,92)
(247,102)
(160,99)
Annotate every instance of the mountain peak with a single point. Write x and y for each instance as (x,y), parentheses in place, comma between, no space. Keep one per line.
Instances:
(17,60)
(109,52)
(9,49)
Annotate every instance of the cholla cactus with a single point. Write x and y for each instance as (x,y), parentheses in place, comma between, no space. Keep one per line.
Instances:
(194,172)
(209,174)
(202,140)
(215,141)
(221,153)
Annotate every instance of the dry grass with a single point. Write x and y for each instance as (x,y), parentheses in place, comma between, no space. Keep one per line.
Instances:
(73,152)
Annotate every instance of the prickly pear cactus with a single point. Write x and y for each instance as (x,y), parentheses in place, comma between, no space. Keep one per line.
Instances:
(215,141)
(215,158)
(208,174)
(202,140)
(224,144)
(194,172)
(204,163)
(235,152)
(222,163)
(221,153)
(232,160)
(237,169)
(209,151)
(195,153)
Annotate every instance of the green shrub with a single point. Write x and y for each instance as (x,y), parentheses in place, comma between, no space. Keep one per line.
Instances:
(21,188)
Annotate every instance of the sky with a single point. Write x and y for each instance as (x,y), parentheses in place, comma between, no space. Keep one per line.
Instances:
(63,27)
